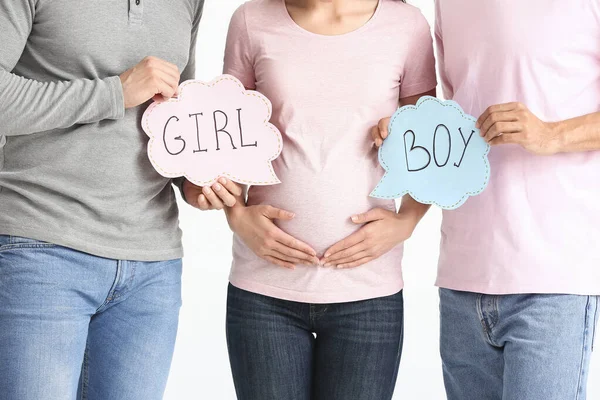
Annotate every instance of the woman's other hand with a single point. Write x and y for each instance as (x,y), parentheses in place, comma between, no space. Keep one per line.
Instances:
(382,231)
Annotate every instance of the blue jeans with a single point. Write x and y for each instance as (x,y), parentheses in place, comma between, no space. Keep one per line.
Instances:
(73,325)
(516,347)
(281,349)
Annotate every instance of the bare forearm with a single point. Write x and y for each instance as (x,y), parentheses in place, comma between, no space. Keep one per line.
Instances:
(413,210)
(513,123)
(240,203)
(577,134)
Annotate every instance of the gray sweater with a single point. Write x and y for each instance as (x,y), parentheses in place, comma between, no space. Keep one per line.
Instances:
(73,164)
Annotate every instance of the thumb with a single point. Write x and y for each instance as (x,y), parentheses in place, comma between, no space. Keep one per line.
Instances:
(369,216)
(276,213)
(384,126)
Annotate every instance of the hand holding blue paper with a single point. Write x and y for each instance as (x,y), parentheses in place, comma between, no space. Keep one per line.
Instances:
(434,153)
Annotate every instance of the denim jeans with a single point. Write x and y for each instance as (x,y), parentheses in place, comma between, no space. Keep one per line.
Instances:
(281,349)
(516,347)
(76,326)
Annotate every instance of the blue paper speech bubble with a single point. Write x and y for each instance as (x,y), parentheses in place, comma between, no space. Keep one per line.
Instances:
(435,154)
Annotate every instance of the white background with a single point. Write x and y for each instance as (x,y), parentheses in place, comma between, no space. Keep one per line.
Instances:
(201,368)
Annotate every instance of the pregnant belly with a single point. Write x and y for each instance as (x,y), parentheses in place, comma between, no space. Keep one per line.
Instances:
(323,203)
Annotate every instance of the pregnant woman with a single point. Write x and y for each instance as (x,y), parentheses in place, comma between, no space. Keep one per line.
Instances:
(315,307)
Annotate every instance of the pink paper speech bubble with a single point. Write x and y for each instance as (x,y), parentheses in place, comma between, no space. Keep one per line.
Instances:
(214,129)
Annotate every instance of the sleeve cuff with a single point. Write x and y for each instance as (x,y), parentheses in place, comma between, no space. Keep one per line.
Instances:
(116,96)
(413,90)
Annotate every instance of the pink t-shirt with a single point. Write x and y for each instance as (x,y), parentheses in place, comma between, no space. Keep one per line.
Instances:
(327,91)
(536,227)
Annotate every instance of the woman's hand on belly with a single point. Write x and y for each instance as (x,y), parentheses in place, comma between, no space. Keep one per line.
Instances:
(254,225)
(382,231)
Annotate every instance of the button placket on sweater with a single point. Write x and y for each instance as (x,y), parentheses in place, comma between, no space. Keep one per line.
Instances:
(136,11)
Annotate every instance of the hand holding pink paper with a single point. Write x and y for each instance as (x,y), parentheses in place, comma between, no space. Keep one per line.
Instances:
(214,129)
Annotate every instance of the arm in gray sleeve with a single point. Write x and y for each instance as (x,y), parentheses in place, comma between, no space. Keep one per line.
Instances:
(190,71)
(29,106)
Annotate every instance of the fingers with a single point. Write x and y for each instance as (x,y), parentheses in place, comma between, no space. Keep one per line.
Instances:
(509,138)
(154,63)
(370,216)
(163,75)
(165,84)
(209,199)
(350,259)
(380,132)
(376,136)
(151,78)
(212,198)
(497,118)
(290,259)
(501,128)
(357,263)
(350,254)
(163,91)
(284,257)
(276,213)
(282,237)
(226,198)
(194,197)
(294,255)
(294,243)
(203,203)
(231,186)
(344,244)
(200,202)
(499,108)
(383,127)
(281,263)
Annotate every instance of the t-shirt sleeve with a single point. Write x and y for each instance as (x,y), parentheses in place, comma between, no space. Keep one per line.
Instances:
(419,71)
(239,60)
(439,42)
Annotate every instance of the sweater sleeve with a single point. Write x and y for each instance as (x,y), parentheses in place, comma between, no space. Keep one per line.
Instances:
(29,106)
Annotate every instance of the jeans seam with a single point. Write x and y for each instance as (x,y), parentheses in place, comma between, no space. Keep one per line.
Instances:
(595,322)
(123,291)
(111,293)
(399,354)
(496,310)
(483,320)
(85,373)
(25,246)
(585,339)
